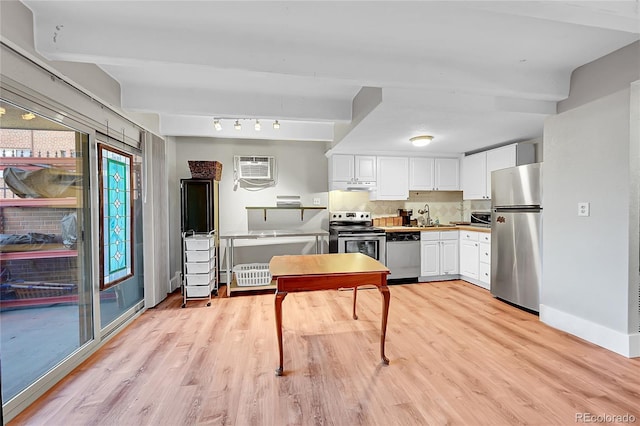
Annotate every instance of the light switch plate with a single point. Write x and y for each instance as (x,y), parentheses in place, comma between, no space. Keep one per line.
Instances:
(583,209)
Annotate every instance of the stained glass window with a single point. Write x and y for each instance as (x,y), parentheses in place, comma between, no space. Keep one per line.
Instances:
(116,210)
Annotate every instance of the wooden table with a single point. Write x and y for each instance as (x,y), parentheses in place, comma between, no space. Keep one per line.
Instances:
(328,272)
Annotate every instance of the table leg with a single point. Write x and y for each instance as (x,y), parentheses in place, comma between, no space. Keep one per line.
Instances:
(355,294)
(280,295)
(384,290)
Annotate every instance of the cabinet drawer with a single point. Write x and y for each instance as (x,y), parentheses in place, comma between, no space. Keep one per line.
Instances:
(198,243)
(485,253)
(429,236)
(199,267)
(199,255)
(485,273)
(197,279)
(197,290)
(484,237)
(449,235)
(468,236)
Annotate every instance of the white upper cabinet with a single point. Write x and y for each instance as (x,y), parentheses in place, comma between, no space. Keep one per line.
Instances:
(499,158)
(434,174)
(392,179)
(365,168)
(421,174)
(351,169)
(474,176)
(477,168)
(447,174)
(342,167)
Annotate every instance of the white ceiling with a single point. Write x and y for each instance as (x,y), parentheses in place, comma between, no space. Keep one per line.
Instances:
(362,75)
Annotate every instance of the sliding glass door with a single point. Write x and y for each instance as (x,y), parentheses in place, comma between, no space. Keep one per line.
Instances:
(46,295)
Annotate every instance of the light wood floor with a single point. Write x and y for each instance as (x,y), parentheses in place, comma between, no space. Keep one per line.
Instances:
(458,356)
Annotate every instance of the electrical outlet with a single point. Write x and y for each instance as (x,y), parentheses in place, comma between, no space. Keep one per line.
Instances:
(316,201)
(583,209)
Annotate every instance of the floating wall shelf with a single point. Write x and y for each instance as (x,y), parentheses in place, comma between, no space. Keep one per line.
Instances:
(301,208)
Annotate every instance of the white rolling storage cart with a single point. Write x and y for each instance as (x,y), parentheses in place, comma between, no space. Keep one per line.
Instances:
(200,266)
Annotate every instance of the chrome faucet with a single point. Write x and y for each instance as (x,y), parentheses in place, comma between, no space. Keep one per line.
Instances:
(427,211)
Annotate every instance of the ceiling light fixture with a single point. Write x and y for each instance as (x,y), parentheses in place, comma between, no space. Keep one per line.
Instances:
(257,126)
(276,125)
(217,125)
(237,125)
(28,116)
(2,111)
(422,140)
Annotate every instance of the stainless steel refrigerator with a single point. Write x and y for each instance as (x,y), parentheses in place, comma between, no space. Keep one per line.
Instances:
(516,235)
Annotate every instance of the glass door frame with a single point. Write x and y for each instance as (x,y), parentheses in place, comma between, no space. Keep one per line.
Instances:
(28,99)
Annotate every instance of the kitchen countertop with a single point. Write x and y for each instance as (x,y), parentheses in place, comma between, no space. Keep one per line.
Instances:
(436,228)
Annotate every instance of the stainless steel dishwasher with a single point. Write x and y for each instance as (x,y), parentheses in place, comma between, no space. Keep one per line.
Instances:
(403,255)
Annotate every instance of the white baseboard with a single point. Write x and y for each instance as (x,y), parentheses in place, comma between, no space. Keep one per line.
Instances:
(175,282)
(624,344)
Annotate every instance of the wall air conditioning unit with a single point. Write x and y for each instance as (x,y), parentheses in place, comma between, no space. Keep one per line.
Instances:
(254,168)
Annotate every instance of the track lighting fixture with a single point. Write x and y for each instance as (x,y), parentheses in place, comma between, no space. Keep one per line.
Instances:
(237,123)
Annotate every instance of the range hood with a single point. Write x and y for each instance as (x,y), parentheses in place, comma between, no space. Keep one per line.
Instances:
(353,186)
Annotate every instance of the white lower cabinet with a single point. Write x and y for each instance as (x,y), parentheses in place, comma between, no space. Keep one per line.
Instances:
(475,258)
(439,254)
(456,254)
(484,272)
(469,249)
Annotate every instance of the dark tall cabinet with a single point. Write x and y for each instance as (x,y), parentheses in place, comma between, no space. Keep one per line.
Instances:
(199,209)
(199,205)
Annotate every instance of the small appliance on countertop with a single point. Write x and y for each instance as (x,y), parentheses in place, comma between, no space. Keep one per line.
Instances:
(406,216)
(482,219)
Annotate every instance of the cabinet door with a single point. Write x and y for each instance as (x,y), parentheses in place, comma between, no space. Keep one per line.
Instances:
(469,258)
(448,257)
(499,158)
(447,174)
(421,174)
(197,205)
(474,177)
(342,167)
(430,258)
(365,168)
(393,179)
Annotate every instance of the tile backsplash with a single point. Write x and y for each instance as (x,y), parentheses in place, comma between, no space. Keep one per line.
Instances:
(447,206)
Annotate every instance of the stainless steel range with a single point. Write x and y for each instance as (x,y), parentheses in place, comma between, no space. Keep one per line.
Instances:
(353,232)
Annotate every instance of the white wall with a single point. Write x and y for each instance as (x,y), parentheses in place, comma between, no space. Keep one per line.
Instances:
(586,260)
(591,265)
(302,170)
